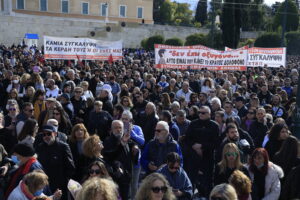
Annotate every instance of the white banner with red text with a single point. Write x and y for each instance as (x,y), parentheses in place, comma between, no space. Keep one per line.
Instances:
(264,57)
(197,57)
(81,48)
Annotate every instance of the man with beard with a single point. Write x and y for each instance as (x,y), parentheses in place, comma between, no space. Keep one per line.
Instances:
(232,136)
(148,121)
(277,109)
(121,154)
(56,159)
(156,151)
(202,138)
(177,177)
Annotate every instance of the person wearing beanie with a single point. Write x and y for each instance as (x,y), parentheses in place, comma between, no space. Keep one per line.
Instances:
(26,162)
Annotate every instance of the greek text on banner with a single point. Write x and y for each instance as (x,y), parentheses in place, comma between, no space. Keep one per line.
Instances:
(197,57)
(82,48)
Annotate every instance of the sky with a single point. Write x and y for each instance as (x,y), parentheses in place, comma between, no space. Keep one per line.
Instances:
(194,2)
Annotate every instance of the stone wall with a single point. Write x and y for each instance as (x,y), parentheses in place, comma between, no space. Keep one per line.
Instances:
(13,29)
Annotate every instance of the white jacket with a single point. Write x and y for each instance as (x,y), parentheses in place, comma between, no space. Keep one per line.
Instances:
(272,182)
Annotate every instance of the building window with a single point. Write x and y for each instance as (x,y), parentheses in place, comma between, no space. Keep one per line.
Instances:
(122,11)
(43,5)
(65,6)
(104,9)
(140,12)
(85,8)
(21,4)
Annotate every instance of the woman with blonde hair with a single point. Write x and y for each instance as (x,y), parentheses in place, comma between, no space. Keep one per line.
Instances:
(98,189)
(13,94)
(39,103)
(92,147)
(231,161)
(37,81)
(224,192)
(78,135)
(29,94)
(126,103)
(56,77)
(155,187)
(242,185)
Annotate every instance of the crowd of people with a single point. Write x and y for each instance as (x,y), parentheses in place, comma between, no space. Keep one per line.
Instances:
(126,130)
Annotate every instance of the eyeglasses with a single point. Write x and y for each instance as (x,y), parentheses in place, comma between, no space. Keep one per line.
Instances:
(163,189)
(234,154)
(203,113)
(56,113)
(159,130)
(12,109)
(47,134)
(97,171)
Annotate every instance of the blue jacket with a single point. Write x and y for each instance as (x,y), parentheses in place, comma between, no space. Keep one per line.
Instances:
(174,130)
(157,152)
(137,135)
(179,180)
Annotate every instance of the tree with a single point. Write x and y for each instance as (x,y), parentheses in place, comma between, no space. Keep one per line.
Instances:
(231,23)
(182,15)
(174,41)
(156,39)
(156,10)
(195,39)
(144,43)
(201,12)
(167,11)
(268,40)
(256,14)
(293,43)
(292,16)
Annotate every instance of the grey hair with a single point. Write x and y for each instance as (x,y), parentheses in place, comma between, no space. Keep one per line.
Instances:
(206,108)
(127,113)
(175,103)
(117,122)
(217,100)
(52,122)
(164,124)
(152,105)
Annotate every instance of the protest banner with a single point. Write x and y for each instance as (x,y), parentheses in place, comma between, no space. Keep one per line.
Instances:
(197,57)
(81,48)
(260,57)
(270,57)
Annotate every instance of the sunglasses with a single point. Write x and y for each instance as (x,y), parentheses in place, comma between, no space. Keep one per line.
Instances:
(31,110)
(97,171)
(163,189)
(234,154)
(12,109)
(203,113)
(56,113)
(47,134)
(78,92)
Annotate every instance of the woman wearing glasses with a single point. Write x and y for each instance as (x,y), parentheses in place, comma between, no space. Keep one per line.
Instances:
(155,187)
(230,161)
(97,169)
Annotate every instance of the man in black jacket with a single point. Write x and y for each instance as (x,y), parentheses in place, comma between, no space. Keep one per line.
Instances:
(201,139)
(120,153)
(56,159)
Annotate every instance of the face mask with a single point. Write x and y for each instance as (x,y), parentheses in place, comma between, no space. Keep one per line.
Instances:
(38,193)
(15,159)
(259,166)
(16,81)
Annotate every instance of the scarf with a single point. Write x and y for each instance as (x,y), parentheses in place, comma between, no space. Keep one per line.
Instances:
(39,106)
(25,191)
(21,171)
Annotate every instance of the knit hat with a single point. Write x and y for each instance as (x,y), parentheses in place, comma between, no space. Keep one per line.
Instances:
(66,96)
(23,149)
(49,128)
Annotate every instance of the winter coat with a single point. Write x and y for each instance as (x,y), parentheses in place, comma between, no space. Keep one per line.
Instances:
(272,181)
